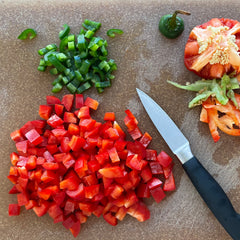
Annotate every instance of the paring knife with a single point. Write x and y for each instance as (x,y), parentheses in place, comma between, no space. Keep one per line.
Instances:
(206,185)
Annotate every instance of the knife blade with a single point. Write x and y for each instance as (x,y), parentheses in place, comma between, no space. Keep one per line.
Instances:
(208,188)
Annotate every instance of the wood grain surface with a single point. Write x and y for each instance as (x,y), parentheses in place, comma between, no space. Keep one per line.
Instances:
(145,60)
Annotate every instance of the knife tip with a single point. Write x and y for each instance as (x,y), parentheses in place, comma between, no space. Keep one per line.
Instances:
(138,91)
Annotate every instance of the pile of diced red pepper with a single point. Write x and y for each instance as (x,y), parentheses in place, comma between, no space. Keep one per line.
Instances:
(71,166)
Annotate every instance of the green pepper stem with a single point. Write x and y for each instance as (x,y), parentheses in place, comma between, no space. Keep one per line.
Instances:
(173,22)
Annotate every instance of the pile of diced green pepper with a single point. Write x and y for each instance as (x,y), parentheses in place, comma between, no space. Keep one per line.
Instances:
(80,61)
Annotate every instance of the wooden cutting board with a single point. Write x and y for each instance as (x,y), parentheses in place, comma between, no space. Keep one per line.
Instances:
(145,60)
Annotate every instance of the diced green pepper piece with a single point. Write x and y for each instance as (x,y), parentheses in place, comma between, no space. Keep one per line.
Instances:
(63,33)
(84,67)
(84,87)
(57,88)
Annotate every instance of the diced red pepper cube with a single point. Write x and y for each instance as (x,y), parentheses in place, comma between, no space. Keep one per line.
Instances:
(156,167)
(34,137)
(14,190)
(45,111)
(75,228)
(112,172)
(112,133)
(139,211)
(87,124)
(54,211)
(145,139)
(77,194)
(164,159)
(135,133)
(76,143)
(130,114)
(93,104)
(22,146)
(31,204)
(53,148)
(54,121)
(154,183)
(65,145)
(48,156)
(93,165)
(68,161)
(167,170)
(69,117)
(42,208)
(109,218)
(81,166)
(80,216)
(14,158)
(121,213)
(22,198)
(119,129)
(59,197)
(69,206)
(90,180)
(98,211)
(113,155)
(116,192)
(59,109)
(27,127)
(130,123)
(69,183)
(143,191)
(52,100)
(169,184)
(131,199)
(134,177)
(79,100)
(135,162)
(146,174)
(67,101)
(13,210)
(151,155)
(109,116)
(50,166)
(84,112)
(31,162)
(120,145)
(17,136)
(107,143)
(91,191)
(73,129)
(158,194)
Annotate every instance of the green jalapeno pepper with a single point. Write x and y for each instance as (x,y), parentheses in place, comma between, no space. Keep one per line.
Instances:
(171,26)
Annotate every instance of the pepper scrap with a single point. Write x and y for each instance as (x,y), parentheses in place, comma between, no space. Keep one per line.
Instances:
(112,32)
(29,32)
(225,117)
(220,105)
(221,89)
(171,26)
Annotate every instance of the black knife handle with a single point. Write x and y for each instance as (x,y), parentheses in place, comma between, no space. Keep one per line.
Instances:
(214,196)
